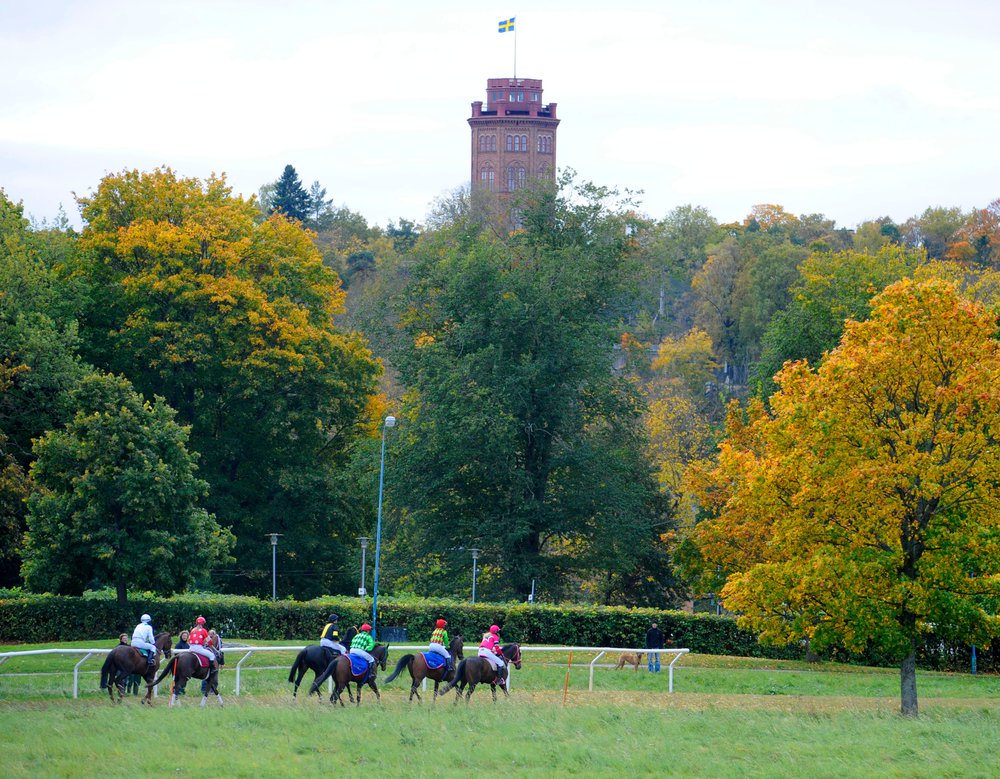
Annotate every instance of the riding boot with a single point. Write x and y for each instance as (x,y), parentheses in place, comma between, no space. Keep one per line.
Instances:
(449,668)
(151,660)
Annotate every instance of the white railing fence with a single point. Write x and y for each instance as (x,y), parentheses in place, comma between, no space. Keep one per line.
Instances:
(248,651)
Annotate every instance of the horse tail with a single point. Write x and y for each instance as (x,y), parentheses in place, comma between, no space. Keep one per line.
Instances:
(106,672)
(404,661)
(459,675)
(168,668)
(296,665)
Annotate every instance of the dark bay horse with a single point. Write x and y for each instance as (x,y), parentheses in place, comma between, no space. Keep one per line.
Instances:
(184,666)
(124,660)
(419,671)
(340,670)
(315,658)
(477,670)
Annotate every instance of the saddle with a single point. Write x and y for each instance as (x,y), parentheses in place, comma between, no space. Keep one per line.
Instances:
(433,660)
(202,660)
(359,667)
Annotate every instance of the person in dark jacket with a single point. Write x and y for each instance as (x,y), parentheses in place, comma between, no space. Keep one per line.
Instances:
(654,640)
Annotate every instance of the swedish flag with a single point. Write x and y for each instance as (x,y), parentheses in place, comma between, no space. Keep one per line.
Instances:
(507,25)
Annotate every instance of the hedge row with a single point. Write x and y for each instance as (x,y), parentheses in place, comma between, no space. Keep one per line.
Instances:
(45,618)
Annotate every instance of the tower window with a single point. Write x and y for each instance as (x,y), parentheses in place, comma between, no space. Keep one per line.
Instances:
(487,177)
(516,177)
(510,143)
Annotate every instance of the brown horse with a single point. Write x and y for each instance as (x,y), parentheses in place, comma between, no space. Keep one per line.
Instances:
(184,666)
(124,660)
(479,670)
(340,669)
(315,658)
(417,666)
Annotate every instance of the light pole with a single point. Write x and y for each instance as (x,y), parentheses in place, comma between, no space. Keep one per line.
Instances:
(364,547)
(274,563)
(390,421)
(475,556)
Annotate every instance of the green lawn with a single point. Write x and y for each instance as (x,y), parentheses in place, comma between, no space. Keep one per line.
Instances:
(728,717)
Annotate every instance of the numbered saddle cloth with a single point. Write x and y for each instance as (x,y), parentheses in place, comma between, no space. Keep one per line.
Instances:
(433,660)
(359,666)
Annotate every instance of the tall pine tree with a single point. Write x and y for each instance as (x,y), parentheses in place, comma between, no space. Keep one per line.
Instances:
(290,197)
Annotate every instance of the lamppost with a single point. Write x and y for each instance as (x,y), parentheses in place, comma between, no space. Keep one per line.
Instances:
(274,563)
(475,556)
(390,421)
(362,592)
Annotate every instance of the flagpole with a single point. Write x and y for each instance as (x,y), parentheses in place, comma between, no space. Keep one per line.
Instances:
(515,51)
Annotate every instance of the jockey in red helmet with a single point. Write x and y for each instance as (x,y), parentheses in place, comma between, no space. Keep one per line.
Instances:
(198,639)
(439,645)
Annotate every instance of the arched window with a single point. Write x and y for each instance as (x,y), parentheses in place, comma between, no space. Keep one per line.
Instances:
(487,177)
(516,177)
(524,143)
(493,143)
(510,143)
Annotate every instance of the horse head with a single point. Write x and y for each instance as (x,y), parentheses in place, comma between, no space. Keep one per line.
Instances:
(513,653)
(381,656)
(456,646)
(164,644)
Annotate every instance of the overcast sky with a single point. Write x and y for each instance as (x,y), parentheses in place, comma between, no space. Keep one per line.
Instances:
(852,109)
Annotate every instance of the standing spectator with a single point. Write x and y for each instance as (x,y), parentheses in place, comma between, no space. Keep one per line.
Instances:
(182,643)
(654,640)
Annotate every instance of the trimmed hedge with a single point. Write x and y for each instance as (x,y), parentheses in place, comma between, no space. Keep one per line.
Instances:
(45,618)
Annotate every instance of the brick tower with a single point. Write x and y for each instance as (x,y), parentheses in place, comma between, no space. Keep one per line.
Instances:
(514,139)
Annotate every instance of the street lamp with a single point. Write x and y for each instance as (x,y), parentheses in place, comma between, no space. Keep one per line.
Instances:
(475,556)
(274,563)
(364,547)
(390,421)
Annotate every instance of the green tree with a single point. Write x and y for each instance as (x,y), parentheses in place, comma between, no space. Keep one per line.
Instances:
(290,197)
(833,287)
(232,322)
(116,500)
(516,435)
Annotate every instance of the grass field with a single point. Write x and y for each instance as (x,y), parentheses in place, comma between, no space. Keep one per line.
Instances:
(729,717)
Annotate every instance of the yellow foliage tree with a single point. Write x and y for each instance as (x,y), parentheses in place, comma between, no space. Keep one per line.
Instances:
(864,509)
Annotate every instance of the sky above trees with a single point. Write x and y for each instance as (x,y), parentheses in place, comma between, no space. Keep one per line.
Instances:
(842,109)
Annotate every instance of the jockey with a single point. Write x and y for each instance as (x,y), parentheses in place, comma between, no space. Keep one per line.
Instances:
(143,638)
(490,649)
(363,643)
(330,637)
(198,639)
(439,645)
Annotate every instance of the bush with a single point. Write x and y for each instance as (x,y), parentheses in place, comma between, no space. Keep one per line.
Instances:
(44,618)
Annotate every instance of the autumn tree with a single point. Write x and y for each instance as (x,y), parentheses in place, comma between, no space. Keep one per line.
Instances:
(231,320)
(117,501)
(865,507)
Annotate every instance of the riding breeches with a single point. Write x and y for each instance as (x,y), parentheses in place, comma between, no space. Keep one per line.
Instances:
(495,660)
(139,644)
(333,645)
(205,652)
(439,649)
(364,654)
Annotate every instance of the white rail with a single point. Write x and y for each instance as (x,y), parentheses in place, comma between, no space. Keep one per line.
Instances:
(249,650)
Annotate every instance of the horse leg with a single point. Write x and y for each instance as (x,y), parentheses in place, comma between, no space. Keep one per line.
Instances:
(413,691)
(493,689)
(371,683)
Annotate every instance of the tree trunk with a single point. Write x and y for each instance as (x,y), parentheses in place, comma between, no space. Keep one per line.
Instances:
(908,683)
(121,590)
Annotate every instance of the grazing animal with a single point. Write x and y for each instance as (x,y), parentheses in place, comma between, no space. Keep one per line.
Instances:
(633,659)
(340,670)
(417,666)
(123,661)
(187,665)
(475,670)
(315,658)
